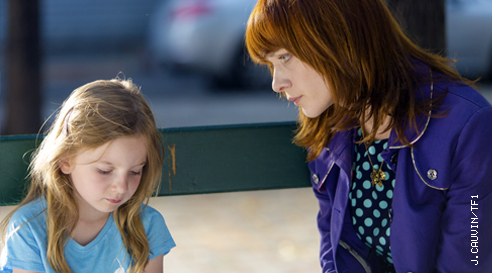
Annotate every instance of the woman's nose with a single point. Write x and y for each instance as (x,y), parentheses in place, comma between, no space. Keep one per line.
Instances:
(279,82)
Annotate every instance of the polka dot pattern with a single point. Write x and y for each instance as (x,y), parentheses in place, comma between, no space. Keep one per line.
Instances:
(371,204)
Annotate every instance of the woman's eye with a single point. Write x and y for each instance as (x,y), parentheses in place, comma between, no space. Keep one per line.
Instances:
(135,173)
(284,58)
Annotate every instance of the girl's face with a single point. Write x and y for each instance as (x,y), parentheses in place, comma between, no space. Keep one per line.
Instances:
(300,83)
(106,177)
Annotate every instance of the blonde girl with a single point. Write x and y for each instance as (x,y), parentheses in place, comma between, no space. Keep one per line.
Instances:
(91,180)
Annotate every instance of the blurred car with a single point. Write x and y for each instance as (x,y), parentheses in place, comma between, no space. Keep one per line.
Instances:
(469,36)
(208,36)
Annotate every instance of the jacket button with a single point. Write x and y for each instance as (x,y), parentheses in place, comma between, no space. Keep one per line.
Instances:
(315,179)
(432,174)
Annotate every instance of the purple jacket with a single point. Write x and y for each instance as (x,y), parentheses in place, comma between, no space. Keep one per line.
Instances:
(442,195)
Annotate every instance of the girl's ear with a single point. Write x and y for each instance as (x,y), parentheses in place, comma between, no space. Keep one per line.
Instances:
(65,166)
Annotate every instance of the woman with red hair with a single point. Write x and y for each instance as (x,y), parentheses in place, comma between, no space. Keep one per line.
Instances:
(398,142)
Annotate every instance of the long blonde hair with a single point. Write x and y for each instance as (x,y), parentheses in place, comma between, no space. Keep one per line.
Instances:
(94,114)
(364,56)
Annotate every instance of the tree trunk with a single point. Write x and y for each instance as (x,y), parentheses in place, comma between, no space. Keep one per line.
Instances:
(23,98)
(423,20)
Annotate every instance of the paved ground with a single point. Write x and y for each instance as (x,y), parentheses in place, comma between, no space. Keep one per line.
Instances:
(266,231)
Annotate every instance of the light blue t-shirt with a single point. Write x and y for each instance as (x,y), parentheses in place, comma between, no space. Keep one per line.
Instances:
(26,248)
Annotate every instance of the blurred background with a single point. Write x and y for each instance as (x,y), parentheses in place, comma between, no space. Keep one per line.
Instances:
(188,57)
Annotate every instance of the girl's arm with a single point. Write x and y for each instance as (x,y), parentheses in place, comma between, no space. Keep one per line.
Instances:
(156,265)
(22,271)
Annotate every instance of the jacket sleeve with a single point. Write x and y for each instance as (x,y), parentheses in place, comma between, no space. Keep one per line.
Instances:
(324,220)
(466,243)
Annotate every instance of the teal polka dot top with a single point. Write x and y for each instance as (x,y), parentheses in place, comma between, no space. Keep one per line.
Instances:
(371,204)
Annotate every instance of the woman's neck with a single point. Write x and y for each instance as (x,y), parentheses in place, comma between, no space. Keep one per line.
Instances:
(380,134)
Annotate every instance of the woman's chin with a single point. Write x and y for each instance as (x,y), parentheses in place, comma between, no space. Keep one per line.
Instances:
(310,114)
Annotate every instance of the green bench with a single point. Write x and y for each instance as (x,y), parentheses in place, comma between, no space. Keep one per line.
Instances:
(198,160)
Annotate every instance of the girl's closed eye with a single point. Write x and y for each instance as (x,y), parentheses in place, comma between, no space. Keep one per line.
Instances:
(104,172)
(136,173)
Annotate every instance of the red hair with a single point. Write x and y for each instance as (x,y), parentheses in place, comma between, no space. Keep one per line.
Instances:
(364,56)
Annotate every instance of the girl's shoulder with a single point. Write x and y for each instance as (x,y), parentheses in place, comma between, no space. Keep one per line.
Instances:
(30,211)
(149,211)
(158,234)
(150,215)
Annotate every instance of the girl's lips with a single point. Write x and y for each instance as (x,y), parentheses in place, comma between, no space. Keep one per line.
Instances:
(295,100)
(114,201)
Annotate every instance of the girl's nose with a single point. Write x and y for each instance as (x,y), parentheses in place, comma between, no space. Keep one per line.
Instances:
(120,185)
(279,82)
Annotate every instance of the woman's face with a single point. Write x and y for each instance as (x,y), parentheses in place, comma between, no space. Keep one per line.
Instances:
(300,83)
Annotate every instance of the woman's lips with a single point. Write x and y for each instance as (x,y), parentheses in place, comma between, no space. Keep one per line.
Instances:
(295,100)
(114,201)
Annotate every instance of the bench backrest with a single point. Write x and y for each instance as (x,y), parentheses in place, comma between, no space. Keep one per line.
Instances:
(208,159)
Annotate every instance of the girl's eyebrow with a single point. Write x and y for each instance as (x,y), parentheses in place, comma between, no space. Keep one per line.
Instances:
(111,164)
(106,162)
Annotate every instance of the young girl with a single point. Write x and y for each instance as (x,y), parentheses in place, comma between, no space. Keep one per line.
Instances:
(91,180)
(398,143)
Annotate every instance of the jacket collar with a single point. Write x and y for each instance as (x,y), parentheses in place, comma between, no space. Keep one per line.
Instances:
(340,142)
(344,139)
(341,149)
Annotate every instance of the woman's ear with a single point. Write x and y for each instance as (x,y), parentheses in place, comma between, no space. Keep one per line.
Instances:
(65,166)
